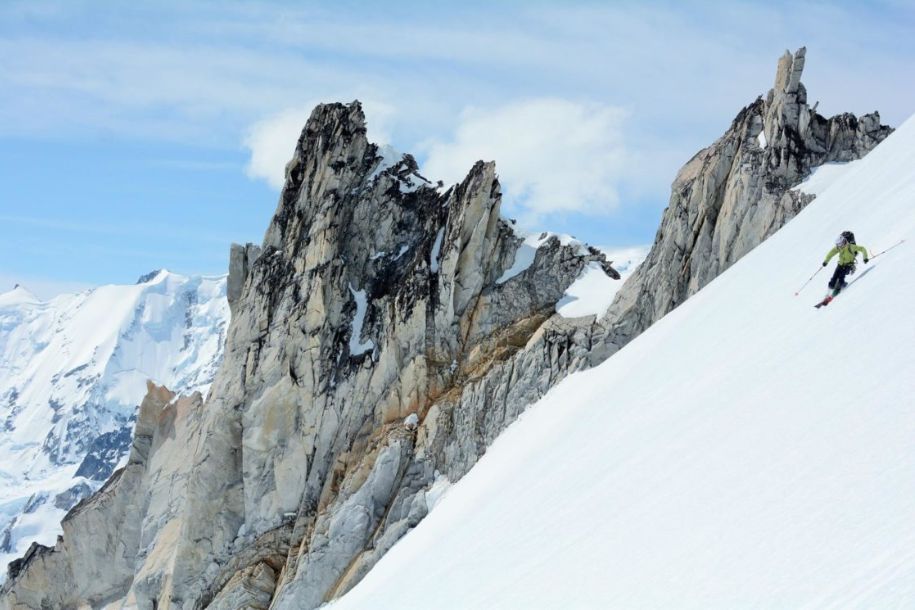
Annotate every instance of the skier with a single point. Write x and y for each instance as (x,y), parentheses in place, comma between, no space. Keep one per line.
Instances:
(847,250)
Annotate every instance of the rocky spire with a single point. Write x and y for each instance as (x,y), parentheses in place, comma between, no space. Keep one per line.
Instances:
(734,194)
(372,302)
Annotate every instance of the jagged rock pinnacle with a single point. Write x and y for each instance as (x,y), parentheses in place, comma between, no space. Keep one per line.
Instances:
(373,298)
(790,68)
(732,195)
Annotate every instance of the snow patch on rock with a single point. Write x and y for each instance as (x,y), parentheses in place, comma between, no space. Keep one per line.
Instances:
(437,491)
(356,345)
(436,250)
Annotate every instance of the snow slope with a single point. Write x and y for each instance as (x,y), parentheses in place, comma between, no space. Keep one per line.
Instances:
(747,451)
(592,293)
(72,372)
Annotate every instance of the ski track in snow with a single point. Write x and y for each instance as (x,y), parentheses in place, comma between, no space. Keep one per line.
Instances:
(747,450)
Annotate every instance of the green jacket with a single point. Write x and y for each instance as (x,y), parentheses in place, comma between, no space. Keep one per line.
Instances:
(846,253)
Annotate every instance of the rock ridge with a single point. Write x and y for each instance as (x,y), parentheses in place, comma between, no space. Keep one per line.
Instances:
(734,194)
(371,355)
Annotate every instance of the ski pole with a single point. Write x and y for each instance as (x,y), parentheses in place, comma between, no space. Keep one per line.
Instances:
(887,250)
(808,281)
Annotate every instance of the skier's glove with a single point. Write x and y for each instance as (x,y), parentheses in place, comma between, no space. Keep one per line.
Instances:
(824,264)
(865,260)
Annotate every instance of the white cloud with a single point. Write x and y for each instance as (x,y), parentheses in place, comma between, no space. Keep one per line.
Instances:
(552,155)
(271,141)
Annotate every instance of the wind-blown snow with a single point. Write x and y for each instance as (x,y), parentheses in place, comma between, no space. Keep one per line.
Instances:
(72,372)
(748,450)
(356,345)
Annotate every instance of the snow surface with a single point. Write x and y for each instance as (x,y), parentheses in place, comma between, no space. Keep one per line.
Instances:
(356,345)
(437,491)
(593,291)
(527,251)
(524,256)
(74,368)
(18,296)
(824,177)
(390,157)
(589,295)
(747,451)
(626,260)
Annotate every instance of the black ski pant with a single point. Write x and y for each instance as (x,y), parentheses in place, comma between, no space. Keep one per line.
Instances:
(838,276)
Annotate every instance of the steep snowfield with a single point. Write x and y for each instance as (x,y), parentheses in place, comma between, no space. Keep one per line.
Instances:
(748,451)
(73,370)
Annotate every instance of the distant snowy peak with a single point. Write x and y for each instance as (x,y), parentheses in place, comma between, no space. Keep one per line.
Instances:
(152,276)
(73,370)
(19,295)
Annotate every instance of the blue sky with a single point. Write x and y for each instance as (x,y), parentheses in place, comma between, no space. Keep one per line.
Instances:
(146,135)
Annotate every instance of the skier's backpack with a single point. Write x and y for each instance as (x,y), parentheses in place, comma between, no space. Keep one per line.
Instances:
(850,238)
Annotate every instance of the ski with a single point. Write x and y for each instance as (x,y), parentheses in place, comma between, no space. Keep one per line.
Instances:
(824,302)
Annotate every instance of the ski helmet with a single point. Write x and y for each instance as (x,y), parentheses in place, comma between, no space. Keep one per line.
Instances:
(849,236)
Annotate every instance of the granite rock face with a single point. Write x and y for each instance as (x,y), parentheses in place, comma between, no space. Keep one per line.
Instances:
(94,562)
(734,194)
(372,355)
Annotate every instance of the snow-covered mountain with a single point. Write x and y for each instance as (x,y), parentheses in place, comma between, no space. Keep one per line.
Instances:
(72,372)
(747,450)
